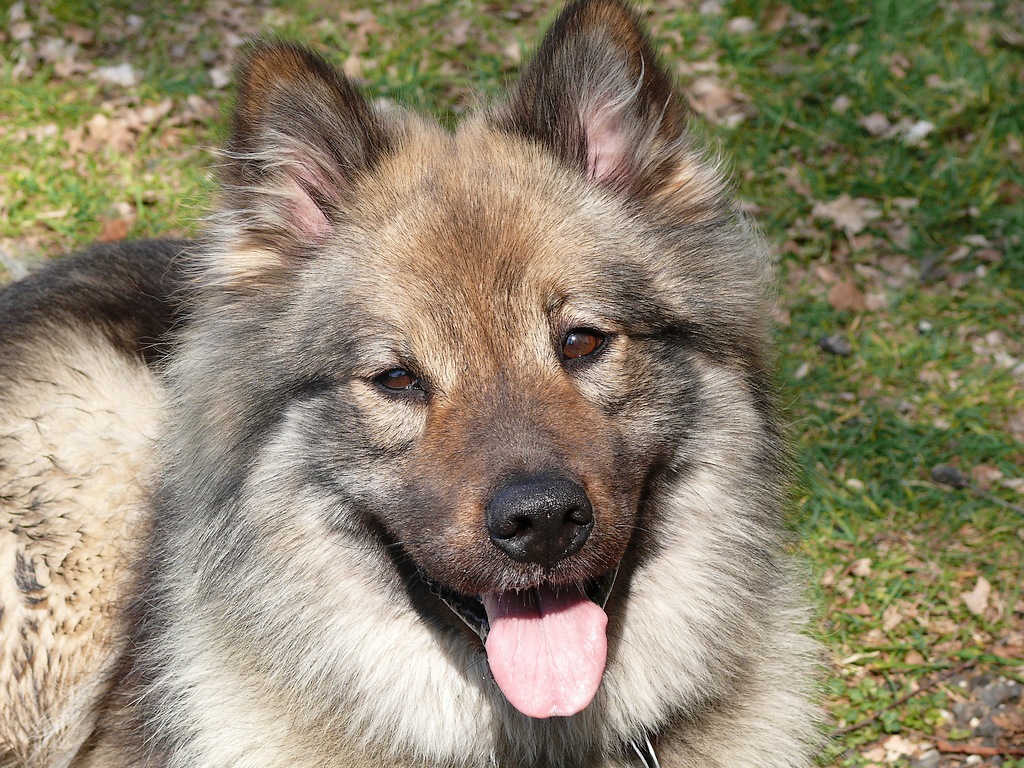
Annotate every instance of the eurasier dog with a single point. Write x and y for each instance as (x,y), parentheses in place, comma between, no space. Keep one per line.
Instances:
(436,450)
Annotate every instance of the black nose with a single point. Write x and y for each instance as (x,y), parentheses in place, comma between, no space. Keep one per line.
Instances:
(540,519)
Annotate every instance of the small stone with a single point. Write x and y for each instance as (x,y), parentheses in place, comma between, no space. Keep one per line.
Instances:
(998,693)
(925,327)
(836,344)
(930,759)
(987,729)
(945,474)
(966,711)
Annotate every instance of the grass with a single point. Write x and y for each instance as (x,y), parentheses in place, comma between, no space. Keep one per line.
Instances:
(936,268)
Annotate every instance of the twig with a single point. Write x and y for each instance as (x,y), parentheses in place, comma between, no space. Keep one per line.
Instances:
(963,666)
(971,749)
(995,499)
(973,489)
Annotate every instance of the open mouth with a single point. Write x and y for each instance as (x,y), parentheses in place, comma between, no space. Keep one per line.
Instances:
(471,609)
(546,646)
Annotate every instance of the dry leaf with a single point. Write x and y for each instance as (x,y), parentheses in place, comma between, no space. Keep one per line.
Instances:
(977,599)
(842,104)
(897,746)
(118,74)
(741,25)
(79,34)
(1015,424)
(863,610)
(891,618)
(829,577)
(718,103)
(848,213)
(777,19)
(986,475)
(916,132)
(149,114)
(113,230)
(21,31)
(861,567)
(102,132)
(197,110)
(1010,722)
(795,181)
(846,295)
(876,124)
(875,754)
(220,77)
(457,34)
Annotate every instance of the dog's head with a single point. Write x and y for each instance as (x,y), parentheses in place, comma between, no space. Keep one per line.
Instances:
(484,349)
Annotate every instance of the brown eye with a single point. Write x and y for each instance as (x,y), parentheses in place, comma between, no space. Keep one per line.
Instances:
(581,342)
(397,379)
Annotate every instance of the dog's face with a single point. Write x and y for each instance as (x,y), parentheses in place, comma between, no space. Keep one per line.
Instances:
(487,346)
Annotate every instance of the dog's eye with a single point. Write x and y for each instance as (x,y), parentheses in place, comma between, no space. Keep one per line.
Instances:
(398,380)
(580,342)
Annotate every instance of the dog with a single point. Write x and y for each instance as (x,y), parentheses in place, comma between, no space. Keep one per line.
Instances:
(435,449)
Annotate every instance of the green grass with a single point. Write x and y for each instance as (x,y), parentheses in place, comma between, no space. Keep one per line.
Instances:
(931,379)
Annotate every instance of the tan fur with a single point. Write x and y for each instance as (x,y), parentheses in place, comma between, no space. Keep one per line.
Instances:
(75,441)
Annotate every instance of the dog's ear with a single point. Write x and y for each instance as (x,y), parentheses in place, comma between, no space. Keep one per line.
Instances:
(597,96)
(301,135)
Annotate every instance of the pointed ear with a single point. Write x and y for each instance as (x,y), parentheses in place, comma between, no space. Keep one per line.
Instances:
(301,135)
(596,95)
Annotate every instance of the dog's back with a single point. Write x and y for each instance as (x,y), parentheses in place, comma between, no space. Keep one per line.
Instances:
(79,407)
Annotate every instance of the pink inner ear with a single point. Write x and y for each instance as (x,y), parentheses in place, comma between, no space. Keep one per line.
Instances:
(309,221)
(607,151)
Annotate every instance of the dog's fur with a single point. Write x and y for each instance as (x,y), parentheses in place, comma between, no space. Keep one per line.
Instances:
(225,531)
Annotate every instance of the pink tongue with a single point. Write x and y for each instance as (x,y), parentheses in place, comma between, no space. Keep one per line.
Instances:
(546,650)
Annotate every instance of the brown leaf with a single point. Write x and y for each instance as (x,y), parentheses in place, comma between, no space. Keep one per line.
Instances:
(113,230)
(848,213)
(1011,722)
(79,34)
(861,567)
(985,475)
(776,20)
(794,180)
(846,295)
(197,110)
(458,33)
(148,114)
(876,124)
(715,101)
(102,131)
(1015,425)
(977,599)
(220,77)
(891,618)
(122,74)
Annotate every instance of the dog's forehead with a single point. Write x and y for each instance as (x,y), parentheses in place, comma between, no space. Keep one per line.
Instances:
(480,216)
